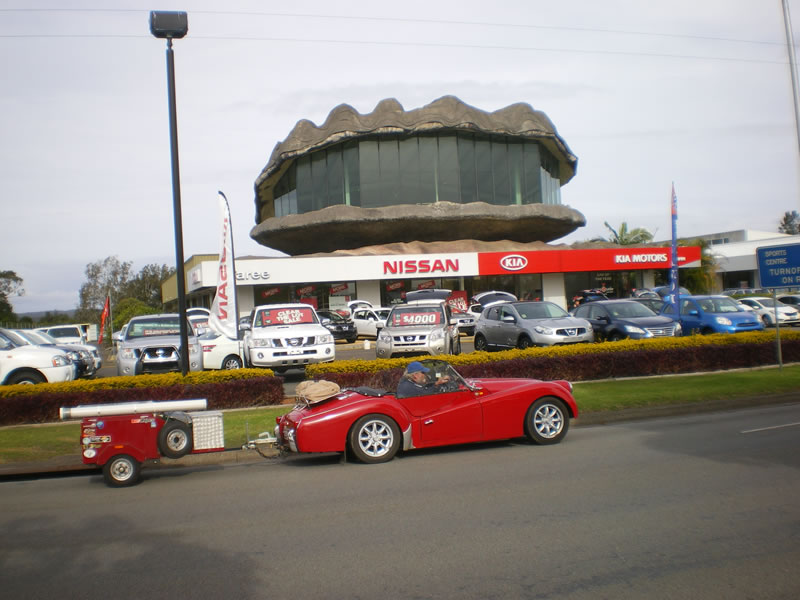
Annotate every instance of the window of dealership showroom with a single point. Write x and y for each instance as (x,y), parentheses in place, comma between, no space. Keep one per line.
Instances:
(460,168)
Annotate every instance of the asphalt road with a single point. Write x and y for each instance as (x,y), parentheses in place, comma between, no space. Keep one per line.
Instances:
(686,507)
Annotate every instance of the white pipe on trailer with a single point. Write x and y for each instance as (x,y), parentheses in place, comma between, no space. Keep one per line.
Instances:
(129,408)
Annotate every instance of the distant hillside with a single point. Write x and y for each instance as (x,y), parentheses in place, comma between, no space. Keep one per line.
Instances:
(39,314)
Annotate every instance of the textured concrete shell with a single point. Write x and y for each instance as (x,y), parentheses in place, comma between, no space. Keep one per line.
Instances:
(345,227)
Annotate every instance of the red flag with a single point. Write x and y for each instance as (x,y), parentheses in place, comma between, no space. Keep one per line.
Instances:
(103,317)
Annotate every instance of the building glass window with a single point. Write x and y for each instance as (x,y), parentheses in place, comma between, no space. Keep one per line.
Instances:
(386,171)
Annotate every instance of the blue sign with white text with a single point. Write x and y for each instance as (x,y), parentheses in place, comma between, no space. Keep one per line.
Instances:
(779,266)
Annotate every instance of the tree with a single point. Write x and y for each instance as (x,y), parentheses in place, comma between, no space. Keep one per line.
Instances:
(623,237)
(10,285)
(128,308)
(102,278)
(698,280)
(146,285)
(790,223)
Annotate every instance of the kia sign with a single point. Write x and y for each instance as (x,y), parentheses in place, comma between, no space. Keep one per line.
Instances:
(513,262)
(779,266)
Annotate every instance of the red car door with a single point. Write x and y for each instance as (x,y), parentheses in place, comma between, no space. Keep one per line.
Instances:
(446,418)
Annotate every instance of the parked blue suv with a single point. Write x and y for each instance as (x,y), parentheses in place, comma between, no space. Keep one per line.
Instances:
(713,314)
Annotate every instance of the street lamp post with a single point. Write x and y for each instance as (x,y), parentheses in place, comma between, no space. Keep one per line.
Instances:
(175,25)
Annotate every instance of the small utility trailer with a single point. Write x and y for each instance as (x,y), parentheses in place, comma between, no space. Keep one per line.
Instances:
(121,437)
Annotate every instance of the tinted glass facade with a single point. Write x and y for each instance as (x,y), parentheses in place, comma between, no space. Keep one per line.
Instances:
(385,171)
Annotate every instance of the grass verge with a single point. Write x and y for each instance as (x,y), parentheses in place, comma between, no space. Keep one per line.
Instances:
(42,442)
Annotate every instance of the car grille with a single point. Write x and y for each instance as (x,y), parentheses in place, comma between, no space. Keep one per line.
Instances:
(666,331)
(295,342)
(571,331)
(410,341)
(159,359)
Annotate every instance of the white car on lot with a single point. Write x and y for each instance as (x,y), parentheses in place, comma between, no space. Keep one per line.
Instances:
(765,309)
(221,352)
(286,336)
(25,363)
(419,328)
(368,320)
(65,334)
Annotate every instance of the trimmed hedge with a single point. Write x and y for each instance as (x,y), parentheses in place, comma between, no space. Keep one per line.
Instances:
(223,389)
(584,362)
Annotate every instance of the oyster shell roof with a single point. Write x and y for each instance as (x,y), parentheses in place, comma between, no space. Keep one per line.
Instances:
(447,113)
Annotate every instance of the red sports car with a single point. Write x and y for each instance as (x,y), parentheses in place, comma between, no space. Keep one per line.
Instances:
(433,406)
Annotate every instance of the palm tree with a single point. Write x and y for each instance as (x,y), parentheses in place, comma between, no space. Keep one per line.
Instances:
(623,237)
(790,223)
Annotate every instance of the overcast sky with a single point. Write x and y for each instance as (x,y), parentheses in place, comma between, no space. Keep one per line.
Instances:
(696,92)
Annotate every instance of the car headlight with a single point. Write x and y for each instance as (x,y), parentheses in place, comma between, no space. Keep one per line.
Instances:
(74,356)
(436,334)
(127,353)
(634,329)
(263,343)
(325,339)
(60,361)
(723,320)
(543,330)
(384,337)
(194,348)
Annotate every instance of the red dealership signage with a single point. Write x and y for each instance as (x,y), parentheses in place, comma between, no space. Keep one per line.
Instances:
(567,261)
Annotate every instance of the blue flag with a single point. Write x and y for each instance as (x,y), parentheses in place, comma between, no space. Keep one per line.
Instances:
(674,286)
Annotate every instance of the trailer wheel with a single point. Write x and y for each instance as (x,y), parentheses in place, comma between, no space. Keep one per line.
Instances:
(121,471)
(175,439)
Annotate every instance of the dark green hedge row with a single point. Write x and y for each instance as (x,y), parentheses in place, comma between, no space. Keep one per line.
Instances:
(43,407)
(588,367)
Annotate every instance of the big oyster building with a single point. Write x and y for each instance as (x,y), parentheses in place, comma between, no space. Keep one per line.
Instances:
(448,196)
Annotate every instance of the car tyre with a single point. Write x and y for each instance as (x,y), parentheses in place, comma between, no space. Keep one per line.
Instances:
(547,421)
(121,471)
(374,439)
(232,362)
(615,336)
(175,439)
(524,342)
(480,343)
(766,320)
(456,346)
(26,377)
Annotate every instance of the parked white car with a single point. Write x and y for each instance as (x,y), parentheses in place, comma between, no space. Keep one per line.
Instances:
(151,344)
(765,309)
(221,352)
(286,336)
(25,363)
(66,334)
(369,320)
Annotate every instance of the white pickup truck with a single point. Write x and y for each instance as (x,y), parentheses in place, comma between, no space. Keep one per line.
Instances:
(25,363)
(286,336)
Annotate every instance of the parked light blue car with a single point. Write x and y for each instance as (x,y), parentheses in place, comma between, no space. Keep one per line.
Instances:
(713,314)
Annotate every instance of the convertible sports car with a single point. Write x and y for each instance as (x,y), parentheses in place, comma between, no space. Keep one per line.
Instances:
(373,425)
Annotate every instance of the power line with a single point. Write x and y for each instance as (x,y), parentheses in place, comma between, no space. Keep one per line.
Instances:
(405,44)
(411,20)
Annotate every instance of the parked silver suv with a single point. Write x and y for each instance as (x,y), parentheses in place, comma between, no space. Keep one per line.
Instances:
(419,328)
(151,344)
(525,324)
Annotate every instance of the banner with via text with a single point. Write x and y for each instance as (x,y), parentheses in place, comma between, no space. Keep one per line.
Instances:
(224,314)
(674,285)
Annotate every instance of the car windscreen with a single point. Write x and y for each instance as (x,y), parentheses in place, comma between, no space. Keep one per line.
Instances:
(269,317)
(333,316)
(540,310)
(64,332)
(629,310)
(489,297)
(414,316)
(720,305)
(17,338)
(152,327)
